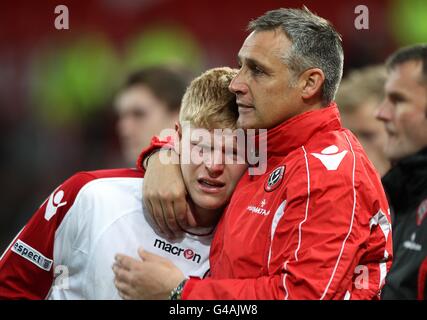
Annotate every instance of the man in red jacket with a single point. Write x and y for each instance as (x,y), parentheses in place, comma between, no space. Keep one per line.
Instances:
(316,224)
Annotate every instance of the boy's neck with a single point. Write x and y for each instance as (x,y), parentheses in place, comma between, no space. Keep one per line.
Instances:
(205,218)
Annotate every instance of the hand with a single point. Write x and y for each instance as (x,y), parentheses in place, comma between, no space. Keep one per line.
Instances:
(153,278)
(164,195)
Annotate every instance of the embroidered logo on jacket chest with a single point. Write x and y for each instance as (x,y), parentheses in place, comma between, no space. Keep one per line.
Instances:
(275,179)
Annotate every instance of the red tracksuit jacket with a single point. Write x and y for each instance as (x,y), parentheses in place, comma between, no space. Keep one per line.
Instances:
(316,225)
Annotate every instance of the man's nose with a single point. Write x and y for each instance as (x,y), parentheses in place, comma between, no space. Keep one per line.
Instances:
(238,85)
(384,112)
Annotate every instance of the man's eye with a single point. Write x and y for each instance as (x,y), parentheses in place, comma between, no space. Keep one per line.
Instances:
(397,99)
(256,71)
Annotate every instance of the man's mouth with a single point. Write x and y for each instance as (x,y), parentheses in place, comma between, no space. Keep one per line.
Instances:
(244,105)
(243,108)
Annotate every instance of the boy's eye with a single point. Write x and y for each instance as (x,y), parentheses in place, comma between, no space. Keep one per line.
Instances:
(205,150)
(232,154)
(201,149)
(198,148)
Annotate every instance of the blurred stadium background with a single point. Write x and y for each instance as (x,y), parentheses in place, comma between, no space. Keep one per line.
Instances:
(57,86)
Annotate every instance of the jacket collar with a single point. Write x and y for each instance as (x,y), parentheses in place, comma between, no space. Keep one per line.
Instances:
(295,132)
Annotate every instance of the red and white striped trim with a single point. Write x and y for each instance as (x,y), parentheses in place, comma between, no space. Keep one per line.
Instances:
(277,216)
(301,223)
(351,223)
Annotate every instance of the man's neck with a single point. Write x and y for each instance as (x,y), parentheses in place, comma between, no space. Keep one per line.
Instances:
(313,104)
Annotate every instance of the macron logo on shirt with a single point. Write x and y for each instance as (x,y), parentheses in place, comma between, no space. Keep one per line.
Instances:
(330,157)
(54,203)
(188,254)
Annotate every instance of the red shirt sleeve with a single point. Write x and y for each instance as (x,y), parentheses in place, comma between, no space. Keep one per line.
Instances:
(27,266)
(156,143)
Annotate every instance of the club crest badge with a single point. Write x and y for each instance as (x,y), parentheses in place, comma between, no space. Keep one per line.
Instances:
(421,212)
(274,179)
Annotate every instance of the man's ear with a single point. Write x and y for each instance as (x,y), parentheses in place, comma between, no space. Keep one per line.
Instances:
(312,83)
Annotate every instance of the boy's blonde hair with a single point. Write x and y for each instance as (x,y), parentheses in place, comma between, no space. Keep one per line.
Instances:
(207,102)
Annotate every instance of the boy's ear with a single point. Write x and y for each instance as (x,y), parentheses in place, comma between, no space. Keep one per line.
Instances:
(178,129)
(178,137)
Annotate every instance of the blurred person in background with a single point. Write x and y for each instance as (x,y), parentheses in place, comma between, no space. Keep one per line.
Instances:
(404,114)
(359,94)
(148,102)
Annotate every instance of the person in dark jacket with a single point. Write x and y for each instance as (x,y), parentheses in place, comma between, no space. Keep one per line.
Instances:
(404,113)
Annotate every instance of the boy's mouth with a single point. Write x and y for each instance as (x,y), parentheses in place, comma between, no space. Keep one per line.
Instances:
(210,185)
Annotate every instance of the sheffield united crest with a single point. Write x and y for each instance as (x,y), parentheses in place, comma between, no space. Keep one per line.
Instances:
(274,179)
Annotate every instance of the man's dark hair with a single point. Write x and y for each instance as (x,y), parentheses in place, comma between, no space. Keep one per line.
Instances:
(315,44)
(412,53)
(167,83)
